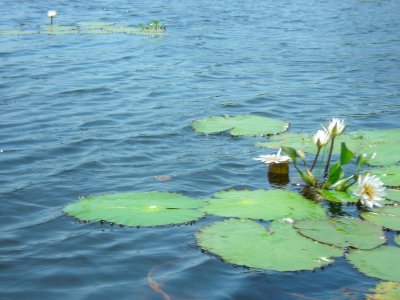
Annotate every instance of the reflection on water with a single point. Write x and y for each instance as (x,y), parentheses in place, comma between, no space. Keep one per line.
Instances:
(88,114)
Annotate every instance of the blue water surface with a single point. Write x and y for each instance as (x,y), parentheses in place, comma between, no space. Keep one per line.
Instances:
(89,114)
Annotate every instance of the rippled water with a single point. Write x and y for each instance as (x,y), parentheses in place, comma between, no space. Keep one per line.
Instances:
(89,114)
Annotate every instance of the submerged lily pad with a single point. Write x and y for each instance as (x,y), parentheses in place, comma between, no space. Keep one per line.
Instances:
(262,204)
(388,290)
(340,197)
(387,216)
(380,262)
(137,208)
(342,232)
(389,175)
(244,125)
(281,248)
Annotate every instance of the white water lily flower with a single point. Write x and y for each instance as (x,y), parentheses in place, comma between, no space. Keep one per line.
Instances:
(336,127)
(273,158)
(51,13)
(370,190)
(321,138)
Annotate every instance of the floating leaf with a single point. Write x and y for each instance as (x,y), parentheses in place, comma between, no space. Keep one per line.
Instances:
(245,125)
(387,216)
(95,24)
(59,29)
(380,262)
(383,154)
(17,32)
(96,27)
(298,141)
(336,196)
(389,175)
(388,290)
(281,248)
(262,204)
(397,239)
(137,208)
(393,195)
(342,232)
(382,143)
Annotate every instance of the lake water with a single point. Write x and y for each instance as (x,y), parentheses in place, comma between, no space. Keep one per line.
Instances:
(90,114)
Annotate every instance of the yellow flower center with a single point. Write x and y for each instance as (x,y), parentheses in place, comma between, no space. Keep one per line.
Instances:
(369,191)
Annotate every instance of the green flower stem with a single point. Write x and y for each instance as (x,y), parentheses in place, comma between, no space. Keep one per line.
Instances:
(329,158)
(315,159)
(51,20)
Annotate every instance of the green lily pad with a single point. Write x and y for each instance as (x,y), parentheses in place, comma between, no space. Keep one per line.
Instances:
(383,154)
(281,248)
(389,175)
(263,205)
(393,195)
(298,141)
(342,232)
(17,32)
(388,290)
(381,142)
(59,29)
(137,208)
(95,24)
(340,197)
(380,262)
(245,125)
(387,216)
(397,239)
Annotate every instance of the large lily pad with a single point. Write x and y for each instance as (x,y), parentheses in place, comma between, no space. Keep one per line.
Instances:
(387,290)
(137,208)
(342,232)
(340,197)
(262,204)
(382,143)
(387,216)
(281,248)
(244,125)
(393,195)
(389,175)
(298,141)
(381,262)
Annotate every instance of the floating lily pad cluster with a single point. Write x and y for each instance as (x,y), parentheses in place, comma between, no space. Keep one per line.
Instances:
(272,229)
(96,27)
